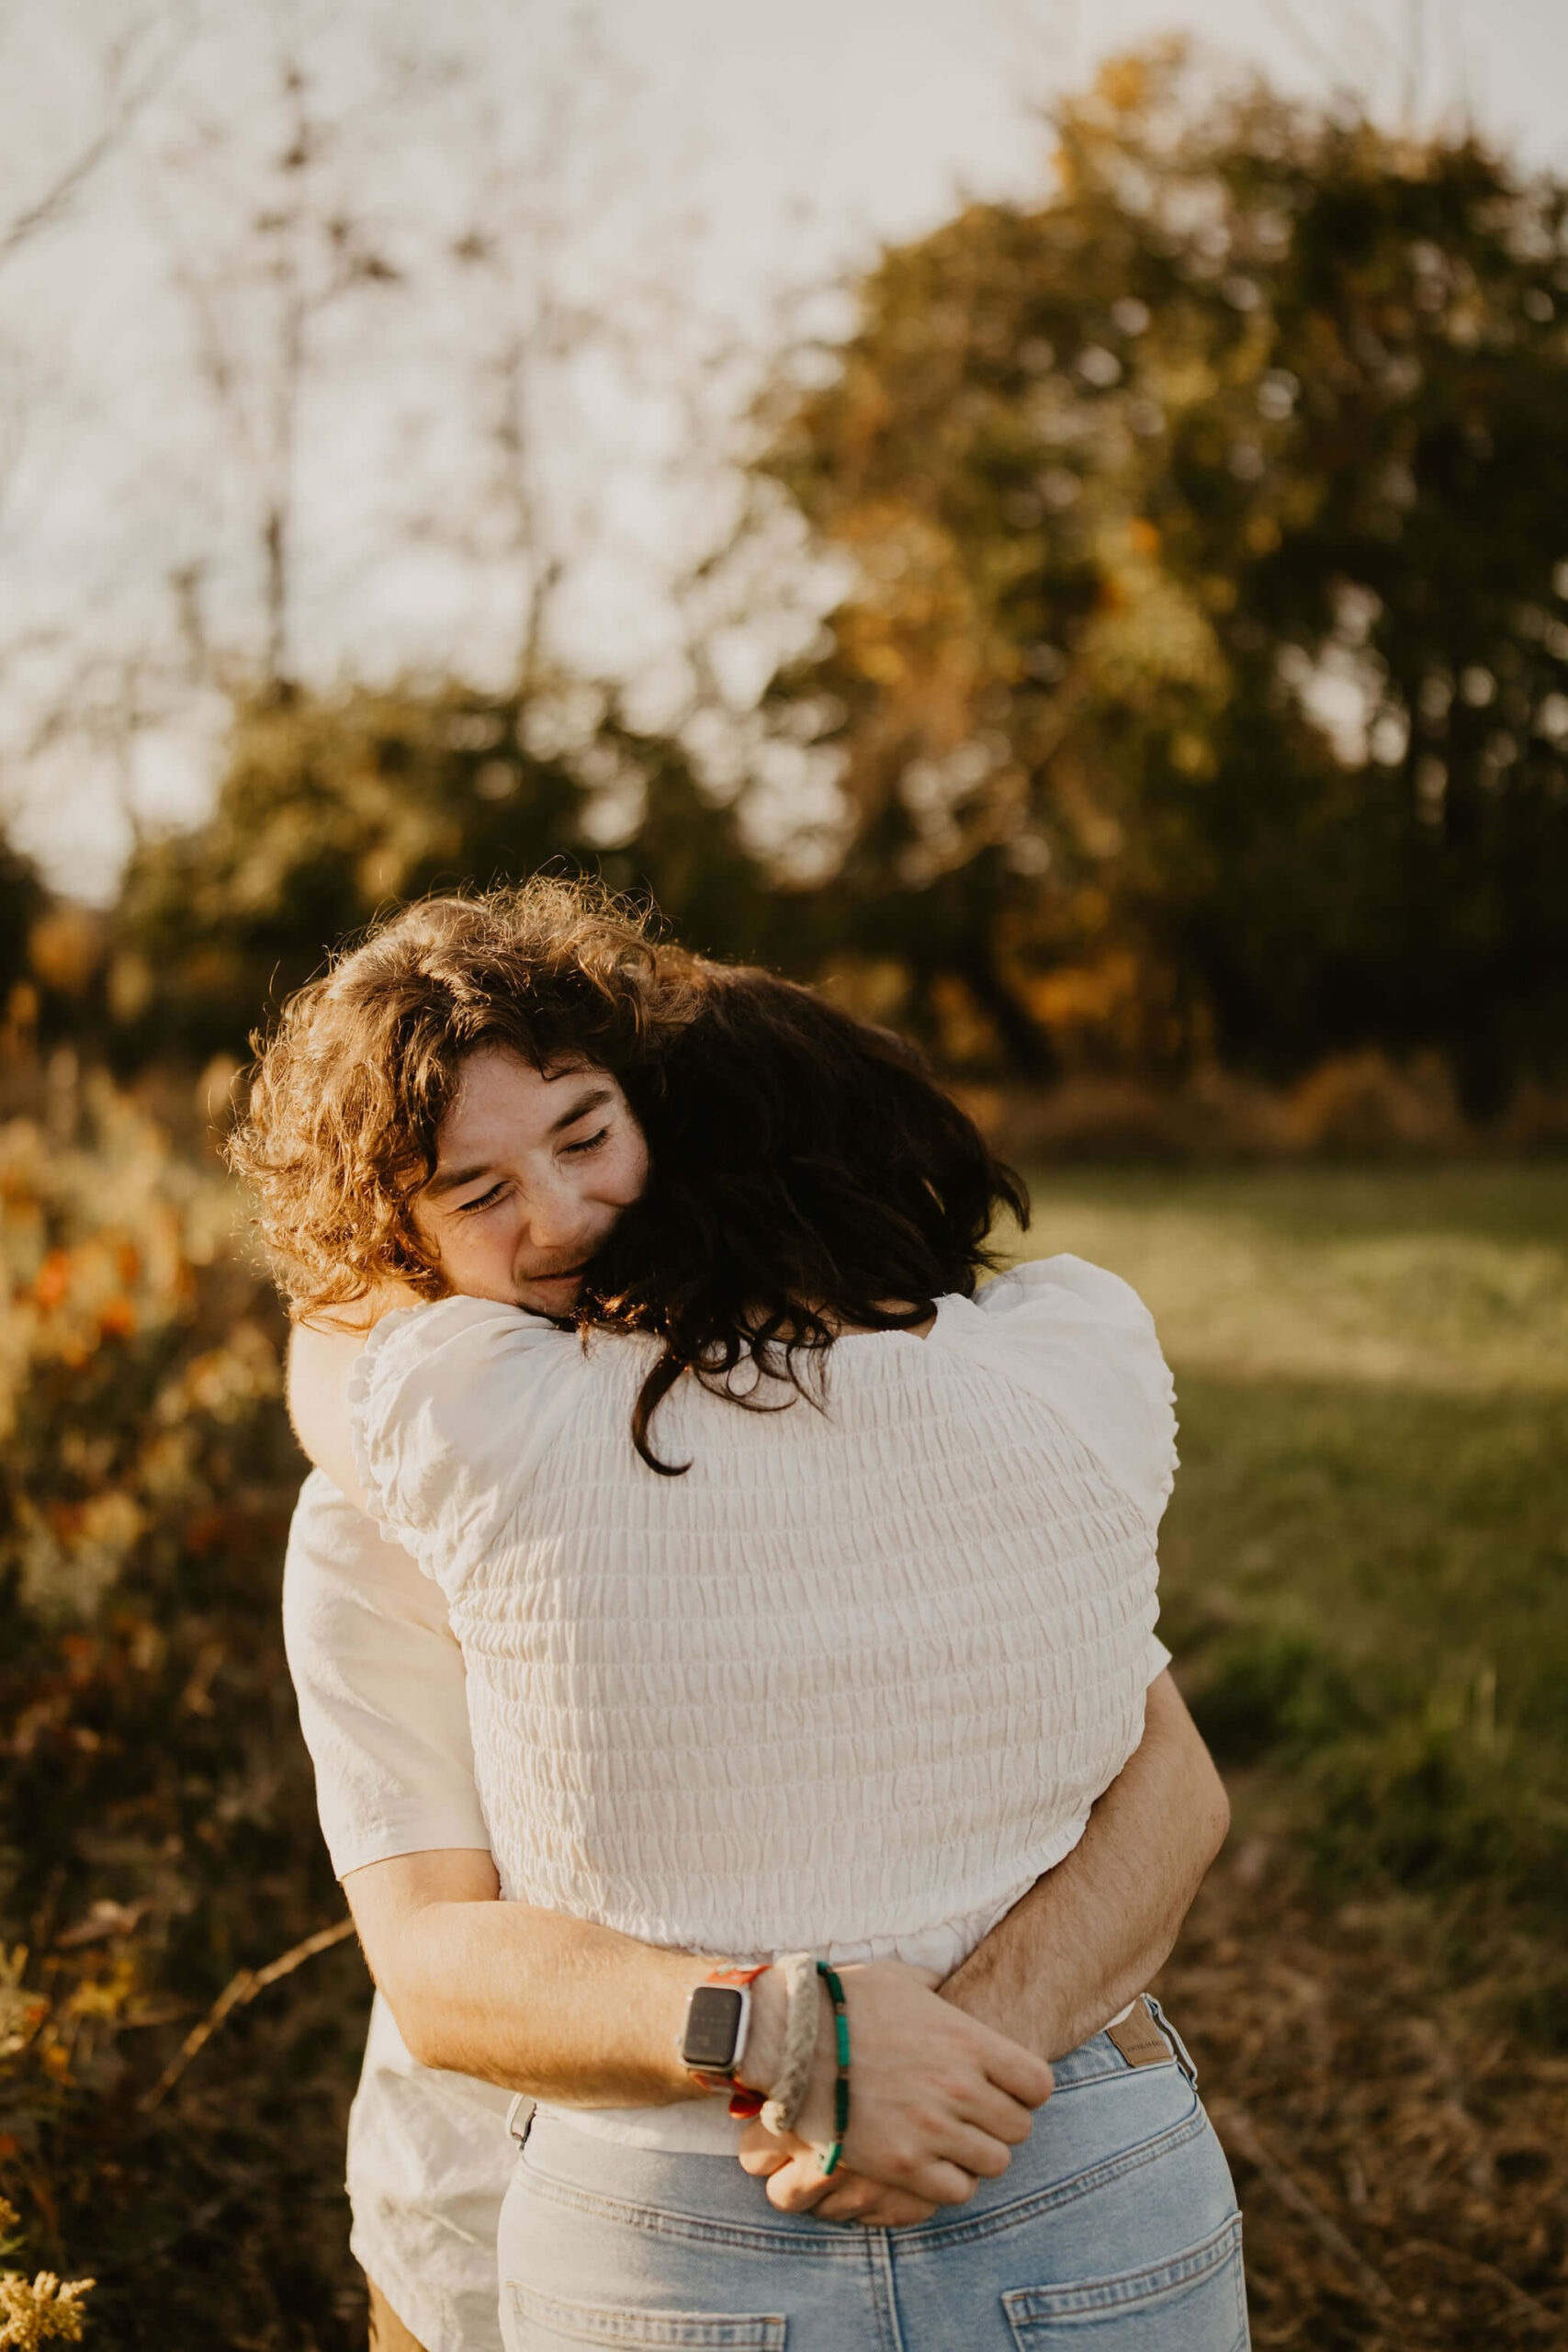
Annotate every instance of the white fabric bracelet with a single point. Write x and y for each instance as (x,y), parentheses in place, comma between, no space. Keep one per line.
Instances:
(782,2109)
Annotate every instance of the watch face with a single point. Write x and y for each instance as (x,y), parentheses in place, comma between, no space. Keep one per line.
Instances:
(713,2022)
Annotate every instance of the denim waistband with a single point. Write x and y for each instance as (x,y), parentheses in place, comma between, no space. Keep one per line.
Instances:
(1098,2060)
(1091,2062)
(1108,2121)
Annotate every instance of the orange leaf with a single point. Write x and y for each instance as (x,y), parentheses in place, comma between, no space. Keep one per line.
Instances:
(53,1278)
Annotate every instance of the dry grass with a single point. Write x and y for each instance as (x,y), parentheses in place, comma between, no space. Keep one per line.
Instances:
(1401,2158)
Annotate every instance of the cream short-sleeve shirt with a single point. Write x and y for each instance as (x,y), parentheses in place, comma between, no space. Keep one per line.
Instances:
(384,1710)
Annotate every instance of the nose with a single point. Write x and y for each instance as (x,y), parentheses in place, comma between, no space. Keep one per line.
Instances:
(558,1223)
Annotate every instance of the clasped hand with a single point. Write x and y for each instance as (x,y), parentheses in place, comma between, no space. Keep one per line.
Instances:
(938,2103)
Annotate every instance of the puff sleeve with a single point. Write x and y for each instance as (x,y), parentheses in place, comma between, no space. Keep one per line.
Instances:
(448,1409)
(1084,1339)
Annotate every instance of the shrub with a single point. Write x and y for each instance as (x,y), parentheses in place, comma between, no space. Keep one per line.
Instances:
(157,1830)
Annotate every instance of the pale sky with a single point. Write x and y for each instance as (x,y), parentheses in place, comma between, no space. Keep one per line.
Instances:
(715,157)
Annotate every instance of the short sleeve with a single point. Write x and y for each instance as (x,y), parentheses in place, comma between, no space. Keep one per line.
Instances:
(1085,1339)
(382,1692)
(446,1404)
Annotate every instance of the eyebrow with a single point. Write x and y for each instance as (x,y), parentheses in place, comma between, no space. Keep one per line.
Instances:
(452,1180)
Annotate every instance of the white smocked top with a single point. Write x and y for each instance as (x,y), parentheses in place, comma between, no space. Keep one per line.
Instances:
(852,1682)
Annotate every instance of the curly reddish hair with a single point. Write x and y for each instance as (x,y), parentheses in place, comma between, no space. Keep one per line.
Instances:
(349,1091)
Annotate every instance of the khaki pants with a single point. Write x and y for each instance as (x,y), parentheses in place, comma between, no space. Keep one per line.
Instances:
(388,2332)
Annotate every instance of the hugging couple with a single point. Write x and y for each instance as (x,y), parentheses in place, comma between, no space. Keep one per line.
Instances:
(724,1631)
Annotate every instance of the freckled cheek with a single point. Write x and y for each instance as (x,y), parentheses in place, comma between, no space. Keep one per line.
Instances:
(631,1173)
(476,1249)
(502,1245)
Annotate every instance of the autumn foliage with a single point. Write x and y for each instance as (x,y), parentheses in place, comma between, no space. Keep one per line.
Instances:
(156,1818)
(1201,686)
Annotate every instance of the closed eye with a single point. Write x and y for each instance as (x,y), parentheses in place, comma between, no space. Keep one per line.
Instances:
(590,1143)
(485,1201)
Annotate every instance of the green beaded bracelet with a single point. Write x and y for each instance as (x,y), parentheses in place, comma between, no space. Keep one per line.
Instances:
(830,2157)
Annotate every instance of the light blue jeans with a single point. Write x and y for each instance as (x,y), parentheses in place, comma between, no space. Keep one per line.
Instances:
(1114,2228)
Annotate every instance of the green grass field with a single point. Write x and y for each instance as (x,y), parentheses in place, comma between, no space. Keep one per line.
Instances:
(1364,1571)
(1366,1560)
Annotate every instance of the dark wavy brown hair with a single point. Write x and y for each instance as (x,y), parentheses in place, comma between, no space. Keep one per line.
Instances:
(808,1174)
(348,1093)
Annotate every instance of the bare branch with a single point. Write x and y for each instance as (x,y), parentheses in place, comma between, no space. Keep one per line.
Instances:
(1242,2134)
(236,1994)
(126,96)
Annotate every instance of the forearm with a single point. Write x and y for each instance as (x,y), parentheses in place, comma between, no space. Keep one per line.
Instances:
(534,2000)
(1089,1935)
(574,2013)
(579,2016)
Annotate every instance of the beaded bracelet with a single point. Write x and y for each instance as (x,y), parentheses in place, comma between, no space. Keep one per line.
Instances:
(829,2157)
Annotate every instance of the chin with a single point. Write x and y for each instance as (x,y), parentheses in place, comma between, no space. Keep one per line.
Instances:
(557,1300)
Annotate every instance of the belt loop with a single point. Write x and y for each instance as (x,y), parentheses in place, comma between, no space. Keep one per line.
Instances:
(521,2137)
(1183,2055)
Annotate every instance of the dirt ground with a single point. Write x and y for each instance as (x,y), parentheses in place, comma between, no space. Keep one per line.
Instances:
(1401,2162)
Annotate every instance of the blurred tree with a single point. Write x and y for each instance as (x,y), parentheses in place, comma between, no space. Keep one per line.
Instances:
(1203,684)
(22,900)
(302,263)
(332,807)
(463,328)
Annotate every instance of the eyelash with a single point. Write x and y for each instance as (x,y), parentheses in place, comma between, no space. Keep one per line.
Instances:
(487,1200)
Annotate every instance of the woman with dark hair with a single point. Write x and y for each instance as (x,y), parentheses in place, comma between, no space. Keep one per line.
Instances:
(808,1178)
(805,1594)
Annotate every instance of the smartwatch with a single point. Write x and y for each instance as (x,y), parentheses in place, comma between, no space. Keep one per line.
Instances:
(718,2016)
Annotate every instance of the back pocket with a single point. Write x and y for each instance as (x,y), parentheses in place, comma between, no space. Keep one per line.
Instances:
(542,2322)
(1196,2302)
